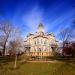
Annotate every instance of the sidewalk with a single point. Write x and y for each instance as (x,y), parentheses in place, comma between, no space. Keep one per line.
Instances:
(54,61)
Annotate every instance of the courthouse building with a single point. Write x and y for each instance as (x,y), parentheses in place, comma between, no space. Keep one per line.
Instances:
(39,43)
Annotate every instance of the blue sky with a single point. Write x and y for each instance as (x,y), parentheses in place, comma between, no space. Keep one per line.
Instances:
(27,14)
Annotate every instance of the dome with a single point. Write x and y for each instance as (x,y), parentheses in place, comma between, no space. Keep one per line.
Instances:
(40,27)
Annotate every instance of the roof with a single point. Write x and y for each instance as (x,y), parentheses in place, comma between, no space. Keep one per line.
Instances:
(40,36)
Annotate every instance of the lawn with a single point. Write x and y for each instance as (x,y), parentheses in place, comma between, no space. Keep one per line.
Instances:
(37,68)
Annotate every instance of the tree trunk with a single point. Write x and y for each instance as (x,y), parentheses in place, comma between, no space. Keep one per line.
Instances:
(4,47)
(15,64)
(3,51)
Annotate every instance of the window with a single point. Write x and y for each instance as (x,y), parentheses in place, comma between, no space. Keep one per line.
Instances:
(42,53)
(45,42)
(35,42)
(38,53)
(41,41)
(39,49)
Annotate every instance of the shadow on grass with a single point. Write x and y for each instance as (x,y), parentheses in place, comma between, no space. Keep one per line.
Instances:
(6,59)
(12,68)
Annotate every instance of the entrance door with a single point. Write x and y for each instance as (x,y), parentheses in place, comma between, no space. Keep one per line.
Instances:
(40,52)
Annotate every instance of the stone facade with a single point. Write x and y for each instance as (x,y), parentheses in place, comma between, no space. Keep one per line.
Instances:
(39,43)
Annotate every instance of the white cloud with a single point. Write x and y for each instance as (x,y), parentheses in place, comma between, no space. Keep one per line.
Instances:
(33,18)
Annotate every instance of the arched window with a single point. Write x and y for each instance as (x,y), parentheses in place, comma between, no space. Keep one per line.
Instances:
(39,49)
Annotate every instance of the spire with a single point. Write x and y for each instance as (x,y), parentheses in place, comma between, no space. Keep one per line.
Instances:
(40,28)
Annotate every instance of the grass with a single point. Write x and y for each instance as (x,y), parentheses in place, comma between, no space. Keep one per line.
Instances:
(63,68)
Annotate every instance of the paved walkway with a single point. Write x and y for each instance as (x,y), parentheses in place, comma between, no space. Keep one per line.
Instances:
(44,61)
(54,61)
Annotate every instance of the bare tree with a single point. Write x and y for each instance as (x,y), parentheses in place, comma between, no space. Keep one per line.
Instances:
(5,33)
(67,36)
(16,46)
